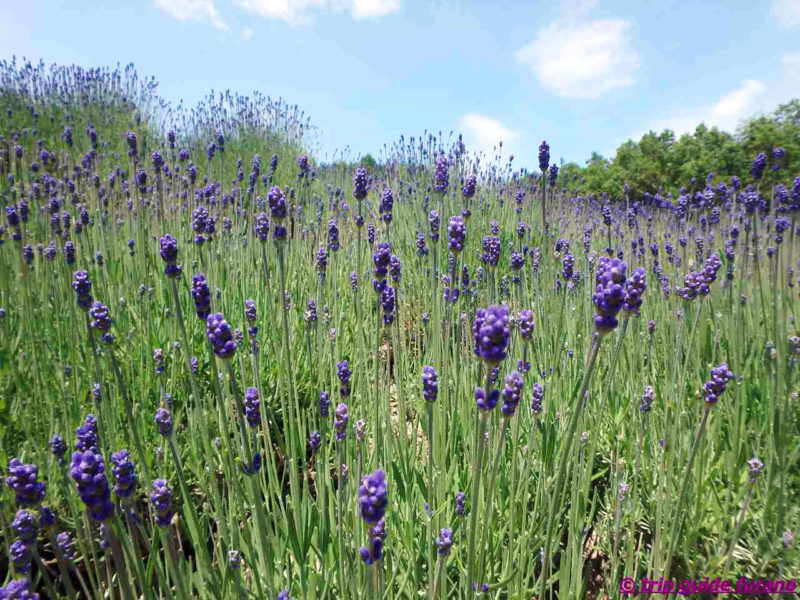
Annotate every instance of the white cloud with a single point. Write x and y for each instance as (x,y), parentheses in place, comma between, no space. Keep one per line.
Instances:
(725,114)
(786,13)
(246,34)
(193,10)
(790,62)
(582,60)
(298,12)
(482,133)
(736,105)
(576,8)
(369,9)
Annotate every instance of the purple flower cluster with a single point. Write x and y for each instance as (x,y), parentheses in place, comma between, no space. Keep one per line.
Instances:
(635,287)
(457,233)
(526,325)
(314,441)
(372,499)
(83,288)
(386,205)
(536,398)
(609,293)
(343,372)
(18,589)
(58,447)
(22,479)
(441,179)
(698,282)
(163,420)
(86,434)
(278,211)
(486,402)
(491,250)
(88,472)
(262,227)
(169,254)
(445,541)
(434,223)
(430,383)
(201,295)
(381,258)
(324,404)
(512,392)
(759,164)
(468,191)
(544,156)
(161,501)
(124,474)
(388,304)
(755,466)
(714,387)
(360,184)
(340,419)
(648,397)
(252,407)
(101,321)
(490,334)
(220,336)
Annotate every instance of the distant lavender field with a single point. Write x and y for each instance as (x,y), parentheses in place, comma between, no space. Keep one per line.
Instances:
(229,369)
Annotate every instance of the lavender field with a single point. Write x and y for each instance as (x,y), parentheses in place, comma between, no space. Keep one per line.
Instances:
(230,368)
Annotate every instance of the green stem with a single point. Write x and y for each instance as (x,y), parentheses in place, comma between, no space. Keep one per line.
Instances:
(677,522)
(565,454)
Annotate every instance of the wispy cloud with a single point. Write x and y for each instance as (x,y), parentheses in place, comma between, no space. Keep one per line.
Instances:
(370,9)
(298,12)
(246,34)
(483,134)
(790,62)
(725,114)
(786,13)
(193,10)
(582,60)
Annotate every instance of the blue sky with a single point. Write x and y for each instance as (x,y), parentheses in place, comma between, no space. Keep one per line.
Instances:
(584,74)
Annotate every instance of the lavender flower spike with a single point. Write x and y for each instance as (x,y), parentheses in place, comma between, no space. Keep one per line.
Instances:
(490,334)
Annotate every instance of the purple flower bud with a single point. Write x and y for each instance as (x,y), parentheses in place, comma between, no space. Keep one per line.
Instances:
(220,336)
(161,501)
(82,286)
(490,334)
(755,469)
(537,397)
(373,496)
(544,156)
(647,399)
(512,392)
(484,403)
(609,294)
(445,541)
(88,472)
(314,441)
(441,180)
(341,417)
(469,186)
(124,475)
(430,384)
(360,184)
(714,387)
(58,447)
(163,420)
(252,407)
(457,233)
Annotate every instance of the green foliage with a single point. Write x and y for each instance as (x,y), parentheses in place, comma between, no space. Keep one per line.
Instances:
(660,162)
